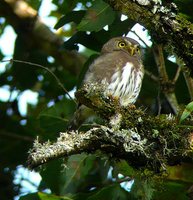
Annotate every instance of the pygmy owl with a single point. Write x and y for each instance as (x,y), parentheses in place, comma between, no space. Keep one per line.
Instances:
(120,69)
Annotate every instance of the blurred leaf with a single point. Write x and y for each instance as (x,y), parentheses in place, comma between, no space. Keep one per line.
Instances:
(35,4)
(44,196)
(93,40)
(85,68)
(24,75)
(182,173)
(84,172)
(33,196)
(74,16)
(122,167)
(149,90)
(52,176)
(1,55)
(110,192)
(55,118)
(66,6)
(119,27)
(172,191)
(97,16)
(74,172)
(15,139)
(185,7)
(79,174)
(143,188)
(187,111)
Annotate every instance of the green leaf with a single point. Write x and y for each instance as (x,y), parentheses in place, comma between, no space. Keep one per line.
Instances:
(143,188)
(84,172)
(56,118)
(109,192)
(187,111)
(93,41)
(33,196)
(172,191)
(185,8)
(44,196)
(181,173)
(98,15)
(123,26)
(52,176)
(124,168)
(74,16)
(81,173)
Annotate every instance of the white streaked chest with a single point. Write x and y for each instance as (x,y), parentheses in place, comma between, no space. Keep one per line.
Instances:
(125,84)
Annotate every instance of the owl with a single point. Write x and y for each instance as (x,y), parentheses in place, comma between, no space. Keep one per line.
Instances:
(120,69)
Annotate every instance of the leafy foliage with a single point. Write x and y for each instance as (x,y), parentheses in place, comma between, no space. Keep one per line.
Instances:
(91,24)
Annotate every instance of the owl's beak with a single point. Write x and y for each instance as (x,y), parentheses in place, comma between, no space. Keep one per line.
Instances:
(131,50)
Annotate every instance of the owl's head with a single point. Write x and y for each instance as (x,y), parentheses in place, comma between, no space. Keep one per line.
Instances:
(126,44)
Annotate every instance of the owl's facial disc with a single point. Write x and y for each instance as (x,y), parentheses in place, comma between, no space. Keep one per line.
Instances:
(132,49)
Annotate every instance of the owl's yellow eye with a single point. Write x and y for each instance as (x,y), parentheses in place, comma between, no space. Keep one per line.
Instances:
(138,50)
(121,44)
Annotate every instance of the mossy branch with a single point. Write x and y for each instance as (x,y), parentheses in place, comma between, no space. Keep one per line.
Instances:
(129,133)
(165,24)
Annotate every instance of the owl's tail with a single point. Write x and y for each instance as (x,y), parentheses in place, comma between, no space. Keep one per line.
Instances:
(80,116)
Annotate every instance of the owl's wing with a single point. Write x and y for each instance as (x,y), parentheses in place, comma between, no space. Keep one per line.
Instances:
(105,66)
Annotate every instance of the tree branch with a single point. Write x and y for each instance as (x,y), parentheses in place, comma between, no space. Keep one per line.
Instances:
(167,86)
(188,79)
(141,139)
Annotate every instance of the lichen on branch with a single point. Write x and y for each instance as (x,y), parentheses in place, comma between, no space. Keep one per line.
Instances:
(129,133)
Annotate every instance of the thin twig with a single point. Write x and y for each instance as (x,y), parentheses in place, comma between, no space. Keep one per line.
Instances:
(16,136)
(167,86)
(188,79)
(152,76)
(159,58)
(45,68)
(134,32)
(189,83)
(125,179)
(177,74)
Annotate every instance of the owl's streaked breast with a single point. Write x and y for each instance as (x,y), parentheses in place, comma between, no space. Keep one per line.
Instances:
(125,84)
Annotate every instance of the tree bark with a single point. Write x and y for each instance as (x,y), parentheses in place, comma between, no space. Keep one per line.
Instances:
(129,133)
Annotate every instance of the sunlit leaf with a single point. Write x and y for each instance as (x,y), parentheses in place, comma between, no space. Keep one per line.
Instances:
(97,16)
(33,196)
(187,111)
(44,196)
